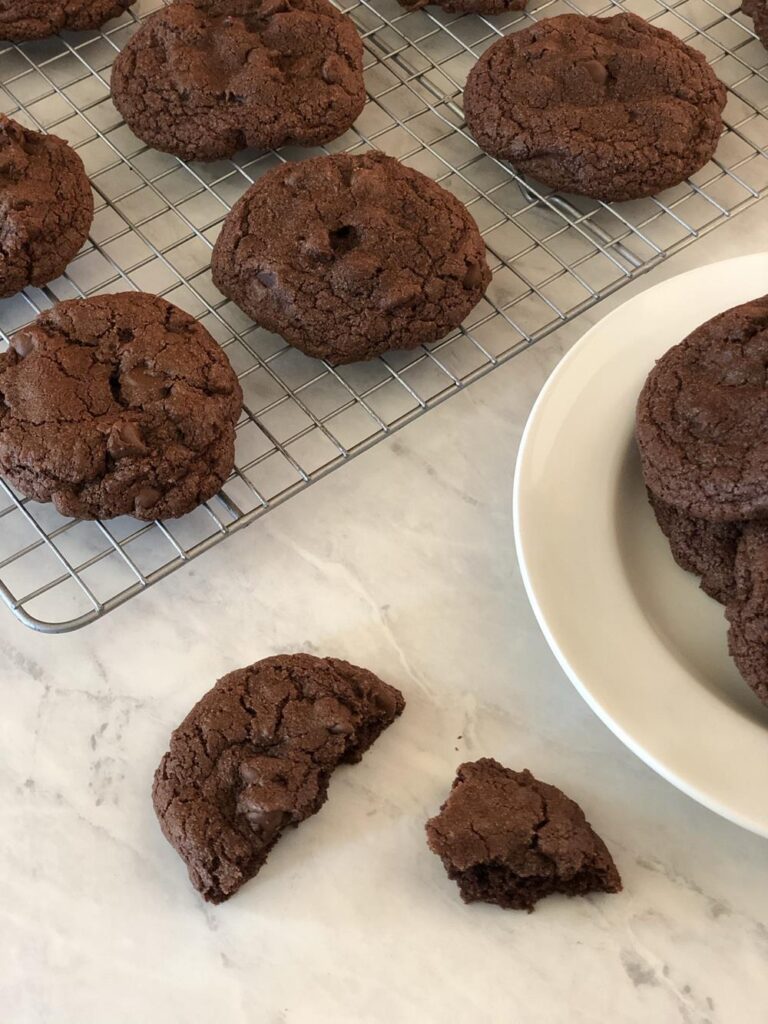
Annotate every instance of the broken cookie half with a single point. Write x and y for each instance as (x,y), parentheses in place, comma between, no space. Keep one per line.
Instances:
(255,756)
(508,839)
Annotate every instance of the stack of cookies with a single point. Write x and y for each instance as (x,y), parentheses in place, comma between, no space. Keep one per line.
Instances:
(702,432)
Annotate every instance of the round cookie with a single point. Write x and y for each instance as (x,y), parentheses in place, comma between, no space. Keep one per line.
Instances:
(706,549)
(611,108)
(203,79)
(757,10)
(46,206)
(349,256)
(702,419)
(467,6)
(35,19)
(117,405)
(747,612)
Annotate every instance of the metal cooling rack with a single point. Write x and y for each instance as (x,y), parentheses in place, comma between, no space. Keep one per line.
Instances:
(156,219)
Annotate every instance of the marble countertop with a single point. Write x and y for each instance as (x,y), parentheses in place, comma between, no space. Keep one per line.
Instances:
(402,561)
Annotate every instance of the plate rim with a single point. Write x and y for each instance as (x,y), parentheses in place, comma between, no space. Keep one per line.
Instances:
(744,820)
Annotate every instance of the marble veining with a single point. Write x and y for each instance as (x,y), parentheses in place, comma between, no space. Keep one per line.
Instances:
(403,562)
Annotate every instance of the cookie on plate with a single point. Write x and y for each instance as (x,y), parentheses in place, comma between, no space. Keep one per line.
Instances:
(255,756)
(203,79)
(35,19)
(349,256)
(747,611)
(612,108)
(706,549)
(702,419)
(508,839)
(757,10)
(46,206)
(117,405)
(467,6)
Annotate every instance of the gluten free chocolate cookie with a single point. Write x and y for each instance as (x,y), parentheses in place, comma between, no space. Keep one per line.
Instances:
(255,756)
(704,548)
(757,10)
(612,108)
(35,19)
(508,839)
(349,256)
(46,206)
(702,419)
(205,78)
(117,405)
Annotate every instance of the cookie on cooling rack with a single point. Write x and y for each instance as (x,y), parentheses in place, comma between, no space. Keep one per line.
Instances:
(35,19)
(254,757)
(117,405)
(702,418)
(349,256)
(612,108)
(757,10)
(706,549)
(467,6)
(508,839)
(46,206)
(203,79)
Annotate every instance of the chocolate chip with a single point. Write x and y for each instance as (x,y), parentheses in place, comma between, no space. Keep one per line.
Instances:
(267,278)
(22,343)
(125,439)
(139,386)
(397,293)
(597,72)
(473,276)
(333,69)
(146,498)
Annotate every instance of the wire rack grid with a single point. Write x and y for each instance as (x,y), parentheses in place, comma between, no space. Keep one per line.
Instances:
(157,218)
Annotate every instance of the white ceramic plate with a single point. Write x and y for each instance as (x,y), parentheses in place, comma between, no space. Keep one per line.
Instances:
(640,642)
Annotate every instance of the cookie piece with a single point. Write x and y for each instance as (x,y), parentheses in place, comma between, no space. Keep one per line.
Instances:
(702,419)
(117,405)
(35,19)
(467,6)
(508,839)
(747,611)
(757,10)
(706,549)
(349,256)
(203,79)
(46,206)
(612,108)
(255,756)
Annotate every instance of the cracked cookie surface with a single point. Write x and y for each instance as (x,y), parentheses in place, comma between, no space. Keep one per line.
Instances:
(702,418)
(612,108)
(203,79)
(706,549)
(46,206)
(508,839)
(36,19)
(350,256)
(747,610)
(255,756)
(117,405)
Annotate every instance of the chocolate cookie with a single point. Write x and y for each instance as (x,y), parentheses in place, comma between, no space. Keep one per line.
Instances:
(117,405)
(205,78)
(706,549)
(467,6)
(747,611)
(348,256)
(46,206)
(508,839)
(757,10)
(612,108)
(702,419)
(36,19)
(255,756)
